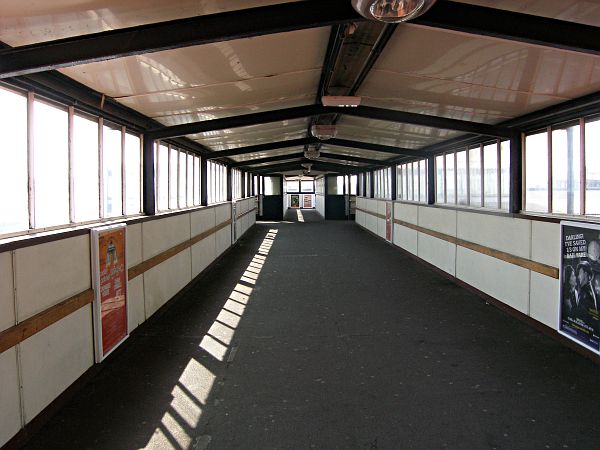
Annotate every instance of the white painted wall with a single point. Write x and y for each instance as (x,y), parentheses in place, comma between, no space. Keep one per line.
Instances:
(529,292)
(46,274)
(320,204)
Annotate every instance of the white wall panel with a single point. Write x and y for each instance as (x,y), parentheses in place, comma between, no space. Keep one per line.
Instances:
(162,234)
(202,220)
(162,282)
(7,302)
(544,301)
(380,207)
(438,219)
(438,252)
(135,297)
(134,244)
(371,205)
(501,280)
(10,410)
(406,213)
(223,213)
(49,273)
(320,204)
(545,243)
(203,254)
(371,223)
(381,228)
(54,358)
(406,238)
(223,239)
(501,233)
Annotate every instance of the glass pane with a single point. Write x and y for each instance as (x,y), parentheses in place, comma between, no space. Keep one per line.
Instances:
(566,170)
(51,165)
(415,181)
(307,186)
(292,186)
(113,189)
(163,177)
(536,172)
(190,180)
(505,174)
(450,180)
(272,186)
(196,180)
(592,168)
(173,181)
(475,176)
(86,199)
(133,175)
(182,179)
(439,179)
(461,177)
(14,210)
(490,175)
(353,181)
(423,180)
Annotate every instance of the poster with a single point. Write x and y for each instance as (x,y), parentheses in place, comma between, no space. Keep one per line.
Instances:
(307,201)
(110,288)
(388,221)
(295,201)
(580,283)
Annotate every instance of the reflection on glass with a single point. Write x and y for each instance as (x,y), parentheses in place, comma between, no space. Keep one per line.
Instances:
(51,165)
(14,214)
(461,177)
(450,180)
(475,176)
(423,180)
(85,169)
(353,181)
(439,179)
(173,181)
(163,177)
(592,168)
(196,180)
(190,180)
(133,176)
(272,185)
(490,175)
(505,174)
(293,186)
(536,172)
(566,169)
(182,180)
(111,154)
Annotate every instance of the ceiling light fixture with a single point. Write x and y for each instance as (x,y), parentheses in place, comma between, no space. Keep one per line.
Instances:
(391,11)
(312,153)
(323,132)
(340,100)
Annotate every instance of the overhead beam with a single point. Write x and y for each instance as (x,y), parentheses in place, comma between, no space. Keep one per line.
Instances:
(374,162)
(251,162)
(175,34)
(262,147)
(512,26)
(373,147)
(298,165)
(425,120)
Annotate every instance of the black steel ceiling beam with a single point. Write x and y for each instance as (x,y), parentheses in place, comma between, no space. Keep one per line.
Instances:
(175,34)
(373,147)
(263,147)
(311,110)
(425,120)
(236,121)
(251,162)
(357,159)
(320,166)
(512,26)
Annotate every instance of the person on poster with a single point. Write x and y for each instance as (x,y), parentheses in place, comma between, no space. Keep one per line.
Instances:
(587,302)
(570,294)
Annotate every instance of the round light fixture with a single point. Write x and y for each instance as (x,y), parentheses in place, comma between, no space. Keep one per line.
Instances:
(391,11)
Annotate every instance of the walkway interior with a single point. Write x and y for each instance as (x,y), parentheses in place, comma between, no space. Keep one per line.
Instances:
(314,334)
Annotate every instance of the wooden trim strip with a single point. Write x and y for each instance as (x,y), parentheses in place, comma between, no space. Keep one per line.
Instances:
(246,213)
(379,216)
(162,257)
(534,266)
(18,333)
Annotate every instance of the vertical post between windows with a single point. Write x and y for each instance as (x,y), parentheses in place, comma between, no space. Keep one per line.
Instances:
(71,151)
(498,173)
(149,186)
(431,190)
(203,182)
(550,178)
(229,183)
(517,170)
(583,174)
(123,173)
(101,187)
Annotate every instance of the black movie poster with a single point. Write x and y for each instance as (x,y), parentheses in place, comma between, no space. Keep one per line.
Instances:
(580,283)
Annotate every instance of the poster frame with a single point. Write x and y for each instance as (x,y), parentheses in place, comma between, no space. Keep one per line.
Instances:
(96,304)
(584,226)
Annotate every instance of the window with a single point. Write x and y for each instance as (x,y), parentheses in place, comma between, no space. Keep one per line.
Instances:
(504,174)
(162,176)
(440,184)
(86,196)
(462,178)
(307,186)
(412,181)
(475,180)
(490,175)
(353,183)
(566,170)
(112,171)
(592,167)
(14,211)
(450,179)
(133,174)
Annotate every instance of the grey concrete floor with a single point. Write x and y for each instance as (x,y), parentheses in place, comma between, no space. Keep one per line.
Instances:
(317,334)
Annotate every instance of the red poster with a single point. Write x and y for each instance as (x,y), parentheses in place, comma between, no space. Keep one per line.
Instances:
(111,289)
(388,221)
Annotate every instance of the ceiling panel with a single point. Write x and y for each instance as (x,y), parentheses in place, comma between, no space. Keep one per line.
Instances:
(479,79)
(579,11)
(267,154)
(391,133)
(32,21)
(345,151)
(253,135)
(211,66)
